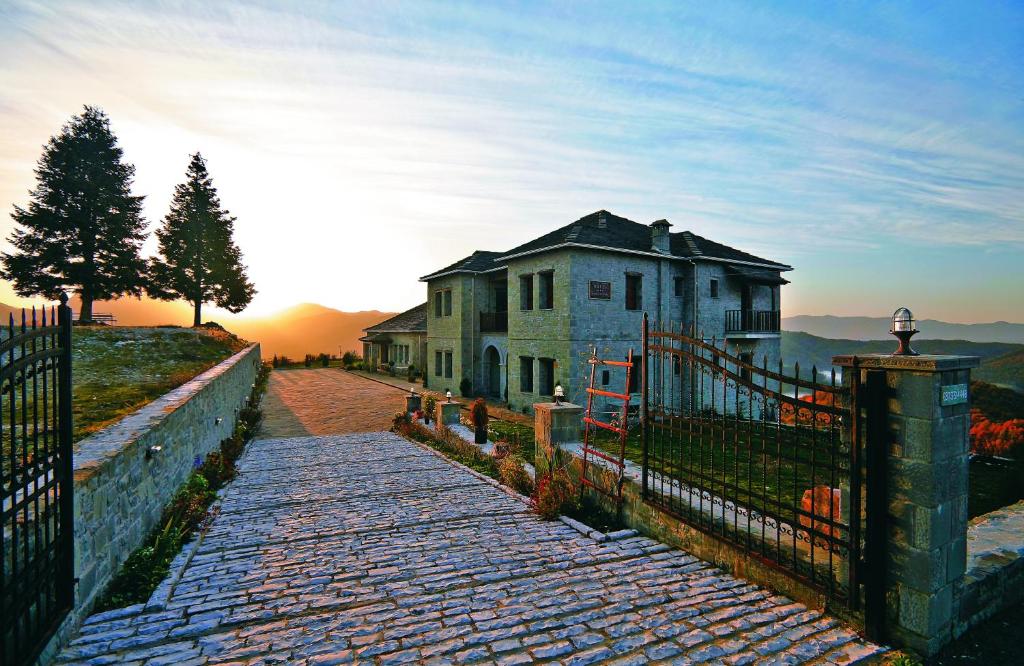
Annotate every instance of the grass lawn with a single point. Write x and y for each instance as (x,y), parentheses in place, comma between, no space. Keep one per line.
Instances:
(117,370)
(764,468)
(518,435)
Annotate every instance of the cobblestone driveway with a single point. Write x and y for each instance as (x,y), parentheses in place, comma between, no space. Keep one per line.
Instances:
(367,548)
(327,401)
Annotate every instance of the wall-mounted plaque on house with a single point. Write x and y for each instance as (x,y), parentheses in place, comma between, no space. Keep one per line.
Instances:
(601,290)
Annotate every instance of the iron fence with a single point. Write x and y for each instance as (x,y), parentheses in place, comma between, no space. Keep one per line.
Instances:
(754,456)
(36,543)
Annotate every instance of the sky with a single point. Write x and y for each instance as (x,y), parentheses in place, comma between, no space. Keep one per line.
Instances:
(877,148)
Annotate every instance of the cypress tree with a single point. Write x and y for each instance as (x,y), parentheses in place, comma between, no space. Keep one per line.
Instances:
(83,229)
(199,260)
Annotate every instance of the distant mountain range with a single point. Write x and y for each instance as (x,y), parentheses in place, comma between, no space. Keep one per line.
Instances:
(1002,363)
(877,328)
(302,329)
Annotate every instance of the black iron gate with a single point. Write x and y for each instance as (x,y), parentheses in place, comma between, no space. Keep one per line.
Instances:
(37,564)
(768,461)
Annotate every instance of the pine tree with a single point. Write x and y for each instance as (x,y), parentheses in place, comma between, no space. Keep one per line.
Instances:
(82,229)
(199,260)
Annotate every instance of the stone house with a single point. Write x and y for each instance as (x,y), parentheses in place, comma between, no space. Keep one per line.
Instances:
(514,324)
(397,343)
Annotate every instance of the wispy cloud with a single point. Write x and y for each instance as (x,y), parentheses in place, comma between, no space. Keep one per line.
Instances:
(421,131)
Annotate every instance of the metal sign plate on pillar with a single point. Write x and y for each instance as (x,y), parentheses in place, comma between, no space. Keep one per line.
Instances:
(954,394)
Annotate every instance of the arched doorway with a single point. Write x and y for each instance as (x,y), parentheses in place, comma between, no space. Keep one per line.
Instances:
(492,372)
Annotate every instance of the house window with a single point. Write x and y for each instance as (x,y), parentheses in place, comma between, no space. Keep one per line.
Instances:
(437,304)
(448,365)
(525,292)
(714,288)
(447,302)
(438,363)
(547,376)
(679,284)
(526,374)
(605,377)
(547,290)
(634,292)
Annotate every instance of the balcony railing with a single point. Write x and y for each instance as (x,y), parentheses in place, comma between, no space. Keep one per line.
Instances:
(493,322)
(752,321)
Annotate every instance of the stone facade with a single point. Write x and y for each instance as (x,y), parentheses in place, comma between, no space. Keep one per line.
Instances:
(122,482)
(555,336)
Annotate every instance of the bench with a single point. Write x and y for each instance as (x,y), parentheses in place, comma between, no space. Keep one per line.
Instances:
(98,318)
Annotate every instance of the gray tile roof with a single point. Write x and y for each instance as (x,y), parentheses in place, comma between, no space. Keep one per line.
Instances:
(410,321)
(478,262)
(605,230)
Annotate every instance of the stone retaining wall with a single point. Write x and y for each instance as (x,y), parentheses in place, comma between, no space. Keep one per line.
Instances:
(995,566)
(122,484)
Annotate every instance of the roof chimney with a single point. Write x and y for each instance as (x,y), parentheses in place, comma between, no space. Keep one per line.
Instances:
(659,236)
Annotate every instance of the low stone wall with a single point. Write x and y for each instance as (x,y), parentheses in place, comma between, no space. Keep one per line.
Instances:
(995,566)
(651,521)
(122,483)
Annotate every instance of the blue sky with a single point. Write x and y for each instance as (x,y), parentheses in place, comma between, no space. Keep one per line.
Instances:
(877,148)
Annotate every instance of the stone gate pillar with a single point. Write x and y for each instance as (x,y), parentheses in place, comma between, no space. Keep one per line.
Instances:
(925,434)
(553,425)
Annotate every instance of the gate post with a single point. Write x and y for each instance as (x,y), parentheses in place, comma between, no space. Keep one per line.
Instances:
(65,434)
(920,443)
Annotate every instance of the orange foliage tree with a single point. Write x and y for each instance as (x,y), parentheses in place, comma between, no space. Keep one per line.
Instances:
(995,438)
(790,415)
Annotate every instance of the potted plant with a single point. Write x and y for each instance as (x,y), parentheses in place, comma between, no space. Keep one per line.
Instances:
(478,414)
(431,405)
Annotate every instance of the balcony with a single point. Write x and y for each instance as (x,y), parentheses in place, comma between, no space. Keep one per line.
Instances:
(494,322)
(761,322)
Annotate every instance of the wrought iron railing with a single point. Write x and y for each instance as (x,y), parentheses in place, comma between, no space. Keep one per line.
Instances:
(493,322)
(36,541)
(754,456)
(753,321)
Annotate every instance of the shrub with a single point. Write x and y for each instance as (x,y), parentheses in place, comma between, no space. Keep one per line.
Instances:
(411,373)
(284,361)
(325,360)
(515,476)
(465,387)
(430,406)
(275,362)
(478,414)
(554,495)
(401,423)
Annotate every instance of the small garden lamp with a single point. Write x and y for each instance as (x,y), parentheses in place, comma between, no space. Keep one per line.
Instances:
(448,395)
(903,327)
(559,394)
(412,390)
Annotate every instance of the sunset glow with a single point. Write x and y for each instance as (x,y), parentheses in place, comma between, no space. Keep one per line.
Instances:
(363,145)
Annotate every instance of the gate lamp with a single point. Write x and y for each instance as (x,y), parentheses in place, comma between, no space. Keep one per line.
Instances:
(903,327)
(559,394)
(448,394)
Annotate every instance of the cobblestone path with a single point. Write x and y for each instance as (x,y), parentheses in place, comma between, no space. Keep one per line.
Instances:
(369,549)
(326,401)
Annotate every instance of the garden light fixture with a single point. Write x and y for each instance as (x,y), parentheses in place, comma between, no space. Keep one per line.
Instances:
(448,394)
(559,394)
(903,327)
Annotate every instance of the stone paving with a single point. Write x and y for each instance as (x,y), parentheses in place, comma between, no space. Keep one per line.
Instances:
(326,401)
(370,549)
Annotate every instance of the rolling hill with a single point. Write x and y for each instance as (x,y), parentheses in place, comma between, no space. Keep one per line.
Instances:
(302,329)
(877,328)
(1006,370)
